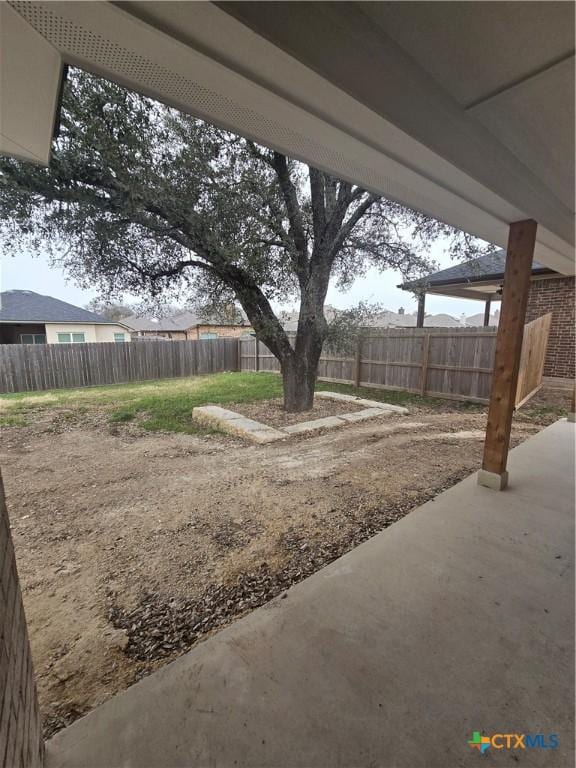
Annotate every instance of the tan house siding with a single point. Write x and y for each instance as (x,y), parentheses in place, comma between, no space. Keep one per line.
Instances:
(92,332)
(556,295)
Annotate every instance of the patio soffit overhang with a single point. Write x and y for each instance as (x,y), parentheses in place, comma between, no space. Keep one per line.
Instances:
(458,110)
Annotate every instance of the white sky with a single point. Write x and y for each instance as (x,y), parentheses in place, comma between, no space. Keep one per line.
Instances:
(34,273)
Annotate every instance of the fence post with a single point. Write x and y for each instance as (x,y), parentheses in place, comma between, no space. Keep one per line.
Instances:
(425,354)
(239,355)
(256,354)
(358,362)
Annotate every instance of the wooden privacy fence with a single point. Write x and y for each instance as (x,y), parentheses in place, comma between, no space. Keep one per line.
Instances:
(531,372)
(33,367)
(444,362)
(438,362)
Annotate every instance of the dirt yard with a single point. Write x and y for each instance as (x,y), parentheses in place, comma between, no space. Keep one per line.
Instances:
(132,545)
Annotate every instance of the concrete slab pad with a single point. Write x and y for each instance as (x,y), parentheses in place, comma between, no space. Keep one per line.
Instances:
(310,426)
(235,424)
(459,617)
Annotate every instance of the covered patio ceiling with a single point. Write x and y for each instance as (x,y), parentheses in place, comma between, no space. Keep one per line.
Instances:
(459,111)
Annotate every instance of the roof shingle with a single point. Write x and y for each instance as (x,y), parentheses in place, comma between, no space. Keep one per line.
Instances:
(489,267)
(30,307)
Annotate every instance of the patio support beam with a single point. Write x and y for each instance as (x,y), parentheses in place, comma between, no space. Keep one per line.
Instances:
(487,313)
(519,254)
(420,315)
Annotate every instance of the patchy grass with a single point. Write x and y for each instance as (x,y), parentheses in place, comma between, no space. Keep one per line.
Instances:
(12,421)
(394,397)
(166,405)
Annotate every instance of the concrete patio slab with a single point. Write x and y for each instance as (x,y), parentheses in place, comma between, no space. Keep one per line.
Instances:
(458,618)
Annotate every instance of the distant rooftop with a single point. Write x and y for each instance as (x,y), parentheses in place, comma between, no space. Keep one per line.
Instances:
(181,321)
(30,307)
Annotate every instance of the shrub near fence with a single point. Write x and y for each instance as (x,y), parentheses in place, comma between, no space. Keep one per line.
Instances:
(33,367)
(446,362)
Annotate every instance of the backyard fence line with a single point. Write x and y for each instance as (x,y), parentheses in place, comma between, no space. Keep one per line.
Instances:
(444,362)
(455,363)
(35,367)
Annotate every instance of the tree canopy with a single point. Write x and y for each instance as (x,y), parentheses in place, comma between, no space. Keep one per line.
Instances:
(140,198)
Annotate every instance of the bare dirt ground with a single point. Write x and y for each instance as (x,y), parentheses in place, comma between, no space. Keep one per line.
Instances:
(271,412)
(133,545)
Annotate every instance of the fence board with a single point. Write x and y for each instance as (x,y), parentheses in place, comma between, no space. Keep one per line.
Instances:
(457,363)
(35,367)
(531,371)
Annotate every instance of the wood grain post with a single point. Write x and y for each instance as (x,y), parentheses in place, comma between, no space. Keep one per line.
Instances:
(358,362)
(521,240)
(425,356)
(421,306)
(572,413)
(256,354)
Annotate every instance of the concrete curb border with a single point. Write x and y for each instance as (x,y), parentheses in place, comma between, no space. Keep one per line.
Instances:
(235,424)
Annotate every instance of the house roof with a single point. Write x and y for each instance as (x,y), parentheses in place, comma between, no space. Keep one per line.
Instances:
(178,322)
(30,307)
(483,269)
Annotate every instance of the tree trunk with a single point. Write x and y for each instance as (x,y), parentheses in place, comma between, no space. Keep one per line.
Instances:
(300,370)
(299,380)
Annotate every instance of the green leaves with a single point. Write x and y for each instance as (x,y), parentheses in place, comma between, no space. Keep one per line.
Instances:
(140,198)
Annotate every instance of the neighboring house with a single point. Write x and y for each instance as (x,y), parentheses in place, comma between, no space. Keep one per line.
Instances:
(184,325)
(482,279)
(385,319)
(30,318)
(477,321)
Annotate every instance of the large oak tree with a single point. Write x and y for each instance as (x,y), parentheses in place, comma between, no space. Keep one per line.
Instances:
(140,198)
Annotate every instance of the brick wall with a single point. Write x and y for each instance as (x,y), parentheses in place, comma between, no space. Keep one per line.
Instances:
(21,744)
(556,296)
(223,331)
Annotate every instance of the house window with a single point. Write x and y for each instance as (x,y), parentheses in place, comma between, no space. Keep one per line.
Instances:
(32,338)
(119,337)
(71,338)
(208,335)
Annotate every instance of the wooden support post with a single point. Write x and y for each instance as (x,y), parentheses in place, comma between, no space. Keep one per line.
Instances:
(256,354)
(358,362)
(487,313)
(425,356)
(420,315)
(521,240)
(239,354)
(572,413)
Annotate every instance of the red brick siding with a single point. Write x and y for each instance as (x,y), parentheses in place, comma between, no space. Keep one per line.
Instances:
(223,331)
(556,296)
(21,742)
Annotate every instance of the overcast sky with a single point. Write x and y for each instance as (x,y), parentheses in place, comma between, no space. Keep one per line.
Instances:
(27,272)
